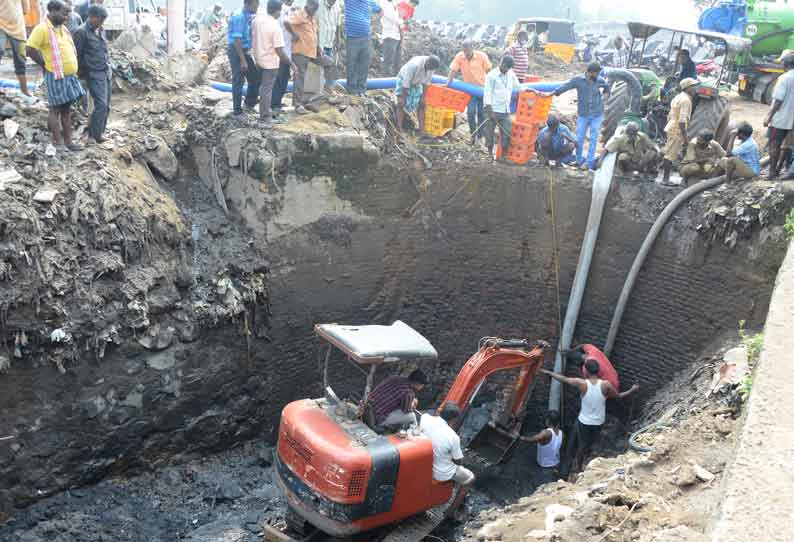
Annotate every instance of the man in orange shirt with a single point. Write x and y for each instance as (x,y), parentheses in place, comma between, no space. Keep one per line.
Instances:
(305,48)
(474,65)
(12,32)
(267,49)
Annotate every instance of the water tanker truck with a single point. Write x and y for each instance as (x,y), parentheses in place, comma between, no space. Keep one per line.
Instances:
(770,28)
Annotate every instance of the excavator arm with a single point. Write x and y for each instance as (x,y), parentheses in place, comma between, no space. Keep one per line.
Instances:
(495,441)
(496,355)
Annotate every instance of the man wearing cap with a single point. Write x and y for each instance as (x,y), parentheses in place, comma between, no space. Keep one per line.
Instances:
(702,158)
(635,151)
(677,122)
(781,115)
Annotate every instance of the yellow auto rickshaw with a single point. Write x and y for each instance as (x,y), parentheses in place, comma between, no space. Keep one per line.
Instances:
(555,37)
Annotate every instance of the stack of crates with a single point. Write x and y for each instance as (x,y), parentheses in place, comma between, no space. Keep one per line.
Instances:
(531,113)
(441,104)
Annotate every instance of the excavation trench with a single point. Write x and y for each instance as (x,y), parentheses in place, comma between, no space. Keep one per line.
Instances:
(460,251)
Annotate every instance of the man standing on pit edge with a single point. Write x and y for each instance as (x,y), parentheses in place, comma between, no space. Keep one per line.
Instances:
(50,46)
(589,88)
(13,32)
(94,68)
(474,65)
(268,53)
(358,30)
(242,64)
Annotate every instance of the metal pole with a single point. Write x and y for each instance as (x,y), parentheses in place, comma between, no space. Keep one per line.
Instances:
(176,27)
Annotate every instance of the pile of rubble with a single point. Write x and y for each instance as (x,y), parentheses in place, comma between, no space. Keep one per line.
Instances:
(94,249)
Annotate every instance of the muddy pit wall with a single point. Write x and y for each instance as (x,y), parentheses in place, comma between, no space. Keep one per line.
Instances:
(466,252)
(459,253)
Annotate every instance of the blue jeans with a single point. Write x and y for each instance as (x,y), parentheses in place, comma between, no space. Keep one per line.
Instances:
(99,87)
(359,55)
(583,125)
(476,116)
(252,75)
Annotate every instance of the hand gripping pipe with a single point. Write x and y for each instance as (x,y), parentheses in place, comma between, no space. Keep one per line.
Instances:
(647,244)
(602,181)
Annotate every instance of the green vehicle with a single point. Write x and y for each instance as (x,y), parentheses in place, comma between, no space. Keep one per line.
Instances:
(643,92)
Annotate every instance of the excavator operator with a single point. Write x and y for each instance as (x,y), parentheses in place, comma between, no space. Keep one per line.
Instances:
(392,403)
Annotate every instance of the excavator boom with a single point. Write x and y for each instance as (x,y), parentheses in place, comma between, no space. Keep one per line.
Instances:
(497,438)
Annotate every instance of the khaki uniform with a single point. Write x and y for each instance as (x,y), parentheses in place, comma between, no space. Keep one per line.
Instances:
(702,163)
(680,112)
(633,156)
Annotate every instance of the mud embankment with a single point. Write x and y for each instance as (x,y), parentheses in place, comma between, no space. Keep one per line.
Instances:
(458,251)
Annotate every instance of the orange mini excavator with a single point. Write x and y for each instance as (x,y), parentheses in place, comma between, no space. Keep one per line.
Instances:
(342,477)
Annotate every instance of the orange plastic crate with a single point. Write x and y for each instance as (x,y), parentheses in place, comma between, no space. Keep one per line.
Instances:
(525,132)
(532,107)
(442,97)
(439,122)
(518,153)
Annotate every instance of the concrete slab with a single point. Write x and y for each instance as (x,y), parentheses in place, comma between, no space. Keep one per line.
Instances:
(759,486)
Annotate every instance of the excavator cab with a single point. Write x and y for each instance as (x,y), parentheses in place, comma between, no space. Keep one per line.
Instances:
(341,477)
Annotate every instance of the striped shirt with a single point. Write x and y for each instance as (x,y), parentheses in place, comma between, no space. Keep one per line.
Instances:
(392,394)
(520,56)
(358,17)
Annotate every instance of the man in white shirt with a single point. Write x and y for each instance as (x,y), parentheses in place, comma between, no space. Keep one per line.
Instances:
(447,453)
(412,82)
(500,83)
(390,21)
(780,118)
(329,22)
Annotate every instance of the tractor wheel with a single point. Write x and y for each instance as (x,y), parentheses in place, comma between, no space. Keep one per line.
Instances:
(711,116)
(617,104)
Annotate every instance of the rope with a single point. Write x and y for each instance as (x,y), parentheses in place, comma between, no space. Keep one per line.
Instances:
(555,250)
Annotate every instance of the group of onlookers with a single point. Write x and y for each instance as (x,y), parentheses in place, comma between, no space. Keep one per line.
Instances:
(267,47)
(71,48)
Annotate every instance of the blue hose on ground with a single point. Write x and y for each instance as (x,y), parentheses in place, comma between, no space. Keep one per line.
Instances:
(386,83)
(12,83)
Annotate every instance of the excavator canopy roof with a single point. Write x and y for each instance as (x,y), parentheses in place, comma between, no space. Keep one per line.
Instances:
(378,344)
(735,44)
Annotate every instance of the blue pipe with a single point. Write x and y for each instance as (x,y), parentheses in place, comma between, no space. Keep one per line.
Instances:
(13,83)
(386,83)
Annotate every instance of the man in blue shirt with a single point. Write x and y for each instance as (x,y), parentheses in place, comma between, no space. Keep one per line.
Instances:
(743,162)
(358,31)
(556,142)
(242,64)
(591,110)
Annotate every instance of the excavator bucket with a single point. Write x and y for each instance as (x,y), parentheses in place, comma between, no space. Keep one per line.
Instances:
(493,445)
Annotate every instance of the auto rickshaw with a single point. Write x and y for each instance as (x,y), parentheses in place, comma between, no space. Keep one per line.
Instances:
(556,37)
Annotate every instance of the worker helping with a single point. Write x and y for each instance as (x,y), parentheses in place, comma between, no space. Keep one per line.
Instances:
(347,467)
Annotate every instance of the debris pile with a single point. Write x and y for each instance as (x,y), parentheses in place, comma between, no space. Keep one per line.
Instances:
(94,250)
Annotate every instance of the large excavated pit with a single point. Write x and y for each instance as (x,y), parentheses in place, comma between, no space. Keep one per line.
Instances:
(459,251)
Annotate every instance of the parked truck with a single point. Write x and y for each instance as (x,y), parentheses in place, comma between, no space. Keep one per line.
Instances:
(769,25)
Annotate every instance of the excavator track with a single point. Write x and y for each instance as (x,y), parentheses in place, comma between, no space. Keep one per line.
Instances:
(419,526)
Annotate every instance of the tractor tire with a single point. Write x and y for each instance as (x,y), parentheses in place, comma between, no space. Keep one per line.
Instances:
(711,116)
(617,104)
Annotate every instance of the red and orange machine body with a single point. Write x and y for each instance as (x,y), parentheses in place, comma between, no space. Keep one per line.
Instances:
(343,478)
